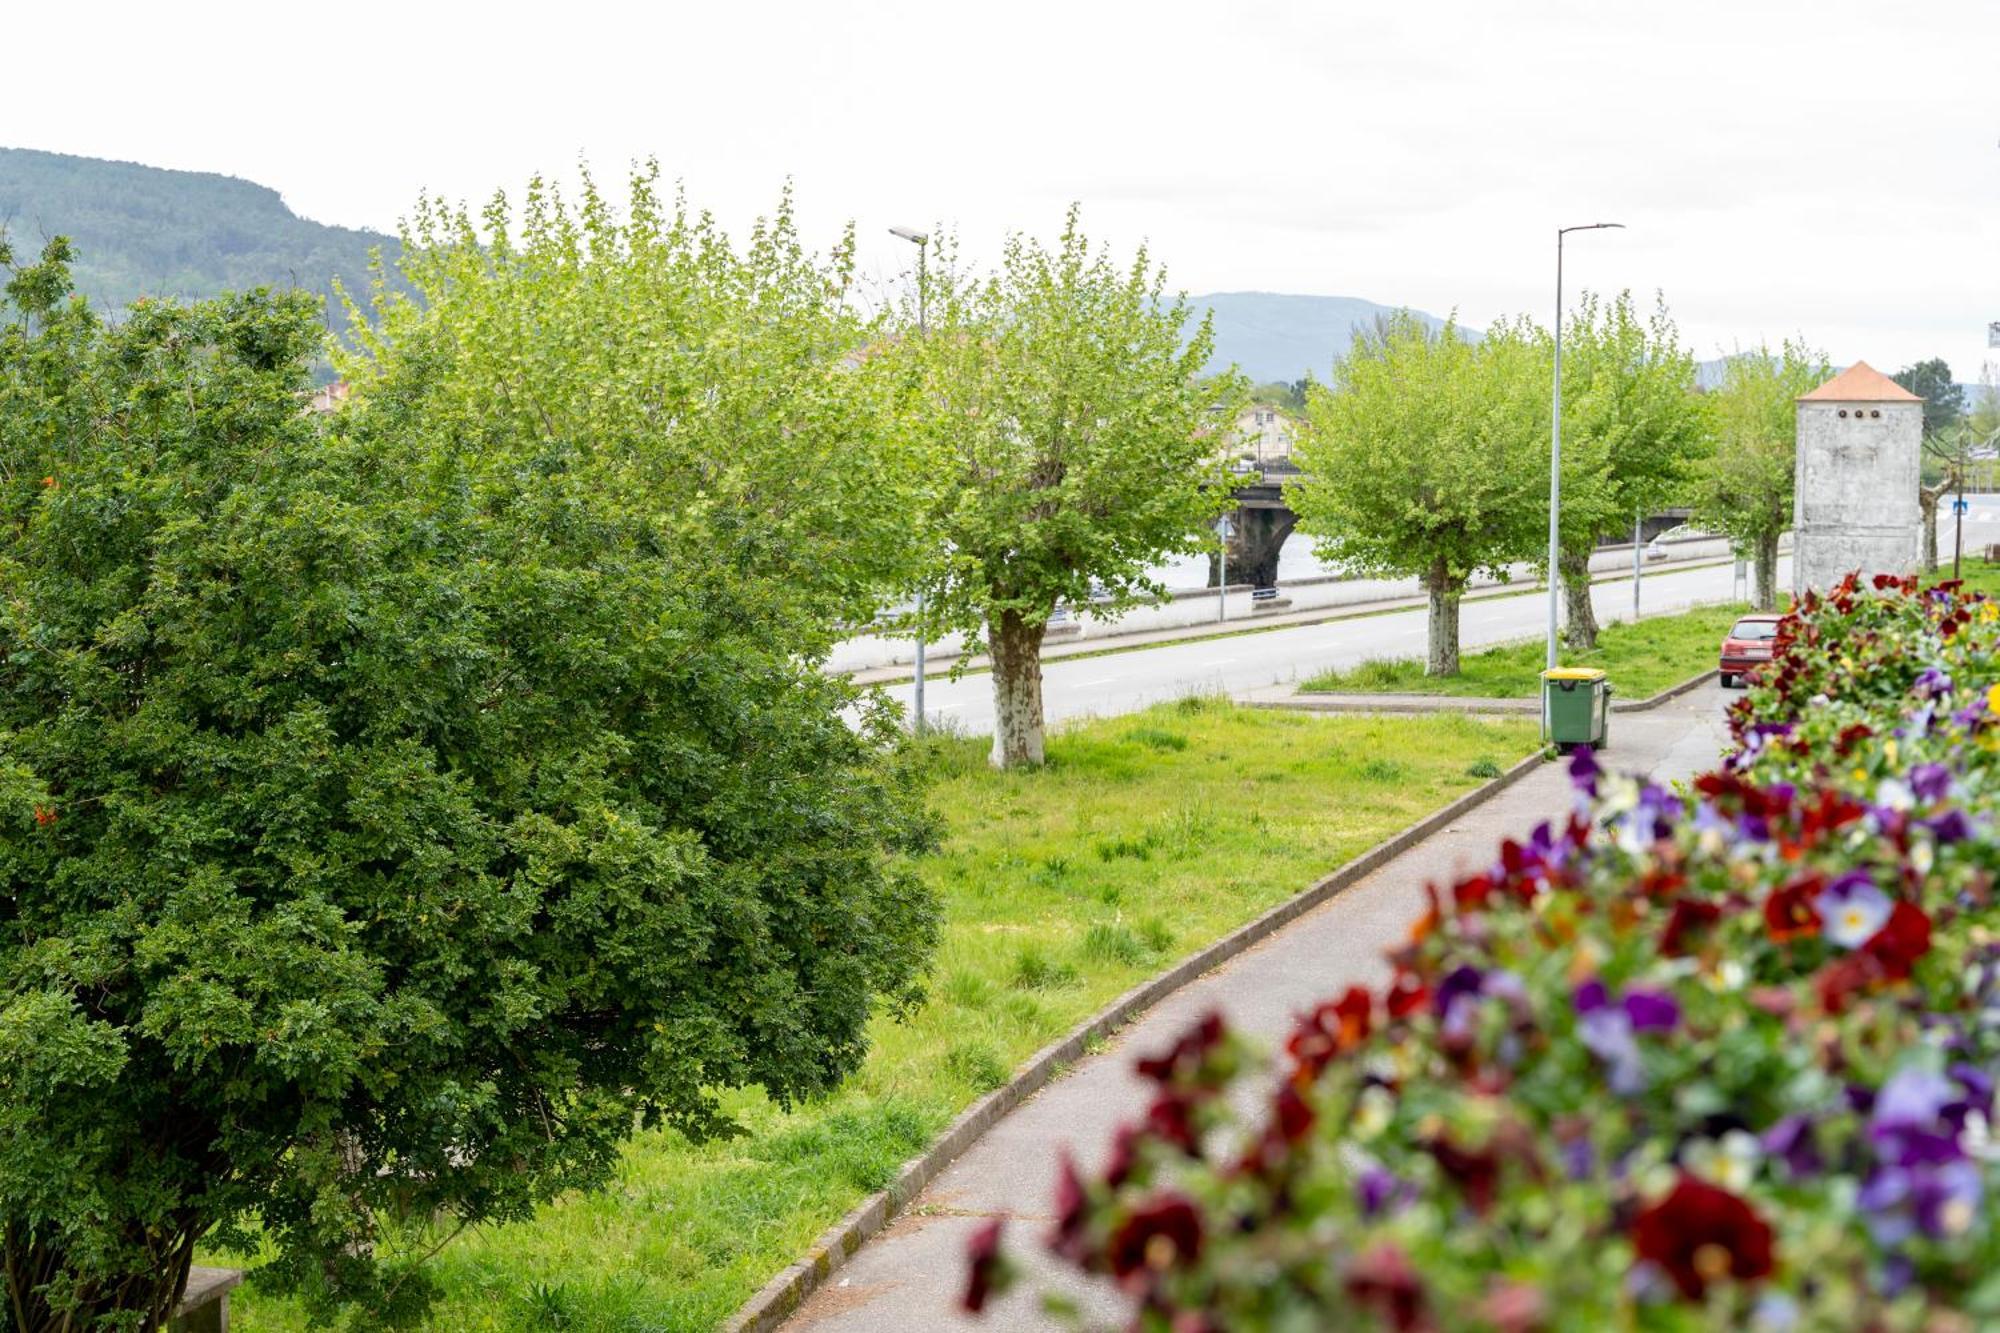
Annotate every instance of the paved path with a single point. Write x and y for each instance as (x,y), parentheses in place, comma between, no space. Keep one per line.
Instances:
(908,1278)
(1128,681)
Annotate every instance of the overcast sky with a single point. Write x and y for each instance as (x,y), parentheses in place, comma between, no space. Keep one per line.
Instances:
(1824,167)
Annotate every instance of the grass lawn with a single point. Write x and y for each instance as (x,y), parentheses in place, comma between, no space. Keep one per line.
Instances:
(1643,659)
(1144,839)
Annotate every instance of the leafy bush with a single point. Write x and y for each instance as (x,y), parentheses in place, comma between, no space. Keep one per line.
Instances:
(391,817)
(1721,1057)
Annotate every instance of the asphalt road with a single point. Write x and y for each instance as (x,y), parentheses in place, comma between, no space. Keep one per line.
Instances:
(1126,682)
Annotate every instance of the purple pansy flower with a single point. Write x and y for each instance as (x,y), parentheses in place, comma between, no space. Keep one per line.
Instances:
(1931,682)
(1930,782)
(1583,770)
(1853,909)
(1652,1011)
(1791,1141)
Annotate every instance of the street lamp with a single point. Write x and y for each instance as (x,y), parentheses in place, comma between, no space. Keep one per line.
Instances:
(922,241)
(1556,438)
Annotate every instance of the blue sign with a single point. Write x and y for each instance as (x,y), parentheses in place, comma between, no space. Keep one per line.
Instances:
(1961,506)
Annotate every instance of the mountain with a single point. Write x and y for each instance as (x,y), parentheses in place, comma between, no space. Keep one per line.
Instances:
(1272,336)
(146,231)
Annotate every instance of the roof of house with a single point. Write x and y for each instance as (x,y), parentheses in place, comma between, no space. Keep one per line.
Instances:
(1860,383)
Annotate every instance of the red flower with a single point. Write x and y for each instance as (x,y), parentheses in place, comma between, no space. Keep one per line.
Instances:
(1184,1058)
(1689,915)
(1383,1280)
(1067,1237)
(1156,1236)
(1407,994)
(1331,1030)
(1904,938)
(986,1271)
(1475,1172)
(1790,912)
(45,815)
(1699,1233)
(1170,1120)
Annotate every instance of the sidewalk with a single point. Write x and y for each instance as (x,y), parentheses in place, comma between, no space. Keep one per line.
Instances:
(907,1280)
(1115,642)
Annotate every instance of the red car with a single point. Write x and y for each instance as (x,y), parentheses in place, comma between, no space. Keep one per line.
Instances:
(1747,646)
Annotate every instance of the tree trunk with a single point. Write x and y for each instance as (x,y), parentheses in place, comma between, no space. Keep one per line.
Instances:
(145,1297)
(1444,590)
(1927,500)
(1581,633)
(1767,572)
(1015,649)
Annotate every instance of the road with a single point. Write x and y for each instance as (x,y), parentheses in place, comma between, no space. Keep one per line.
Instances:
(1128,681)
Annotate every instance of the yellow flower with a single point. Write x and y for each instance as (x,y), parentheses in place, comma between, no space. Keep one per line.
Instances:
(1993,699)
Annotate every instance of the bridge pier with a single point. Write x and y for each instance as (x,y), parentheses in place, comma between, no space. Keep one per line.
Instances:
(1253,552)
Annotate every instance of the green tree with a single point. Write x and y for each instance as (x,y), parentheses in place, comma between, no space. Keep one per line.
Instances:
(1421,455)
(1746,490)
(1632,432)
(738,386)
(1075,443)
(399,808)
(1944,399)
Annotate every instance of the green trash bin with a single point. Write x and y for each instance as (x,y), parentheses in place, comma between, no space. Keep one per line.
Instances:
(1576,707)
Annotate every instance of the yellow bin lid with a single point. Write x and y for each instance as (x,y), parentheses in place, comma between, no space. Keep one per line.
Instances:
(1574,673)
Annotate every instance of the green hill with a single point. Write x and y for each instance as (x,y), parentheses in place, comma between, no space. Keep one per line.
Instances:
(145,231)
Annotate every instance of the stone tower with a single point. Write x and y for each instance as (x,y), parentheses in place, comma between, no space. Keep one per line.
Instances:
(1859,460)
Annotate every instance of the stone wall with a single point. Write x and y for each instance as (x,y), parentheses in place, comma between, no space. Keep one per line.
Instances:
(1856,501)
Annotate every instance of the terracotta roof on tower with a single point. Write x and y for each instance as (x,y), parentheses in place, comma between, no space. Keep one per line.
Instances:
(1860,383)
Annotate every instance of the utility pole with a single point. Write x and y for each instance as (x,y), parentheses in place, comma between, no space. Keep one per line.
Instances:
(1224,529)
(922,241)
(1637,569)
(1556,443)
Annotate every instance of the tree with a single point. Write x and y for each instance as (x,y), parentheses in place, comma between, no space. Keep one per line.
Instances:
(1632,431)
(739,387)
(1944,400)
(399,808)
(1746,489)
(1421,459)
(1075,444)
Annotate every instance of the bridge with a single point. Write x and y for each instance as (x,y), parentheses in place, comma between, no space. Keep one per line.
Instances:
(1263,521)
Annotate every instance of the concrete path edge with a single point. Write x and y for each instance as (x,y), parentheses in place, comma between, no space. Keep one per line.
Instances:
(783,1294)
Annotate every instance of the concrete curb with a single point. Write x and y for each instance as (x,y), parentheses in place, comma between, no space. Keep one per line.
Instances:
(1688,686)
(783,1294)
(1303,702)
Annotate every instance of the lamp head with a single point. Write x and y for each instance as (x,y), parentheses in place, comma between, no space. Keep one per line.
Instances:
(907,234)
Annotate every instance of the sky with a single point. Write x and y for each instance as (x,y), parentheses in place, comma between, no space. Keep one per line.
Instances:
(1817,168)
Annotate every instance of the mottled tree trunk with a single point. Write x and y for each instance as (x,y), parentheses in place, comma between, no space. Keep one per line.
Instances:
(1015,649)
(1444,590)
(1581,633)
(1767,572)
(1927,500)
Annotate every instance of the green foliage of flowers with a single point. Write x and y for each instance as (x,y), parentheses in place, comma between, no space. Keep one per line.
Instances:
(397,809)
(1722,1057)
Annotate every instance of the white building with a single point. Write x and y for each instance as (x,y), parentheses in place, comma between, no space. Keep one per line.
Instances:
(1264,434)
(1860,439)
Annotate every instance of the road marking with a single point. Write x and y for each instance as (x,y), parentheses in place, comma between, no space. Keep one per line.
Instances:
(1101,680)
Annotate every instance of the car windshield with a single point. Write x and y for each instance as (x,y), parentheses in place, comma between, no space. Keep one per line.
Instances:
(1758,630)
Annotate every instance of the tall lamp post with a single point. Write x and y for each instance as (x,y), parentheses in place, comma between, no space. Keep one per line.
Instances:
(922,241)
(1556,440)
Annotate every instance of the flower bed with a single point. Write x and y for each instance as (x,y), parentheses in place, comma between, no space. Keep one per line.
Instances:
(1714,1058)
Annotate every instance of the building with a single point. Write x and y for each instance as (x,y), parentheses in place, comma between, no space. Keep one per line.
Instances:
(1859,460)
(1264,435)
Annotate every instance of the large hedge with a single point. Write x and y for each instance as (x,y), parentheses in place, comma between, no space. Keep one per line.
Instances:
(390,821)
(1714,1058)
